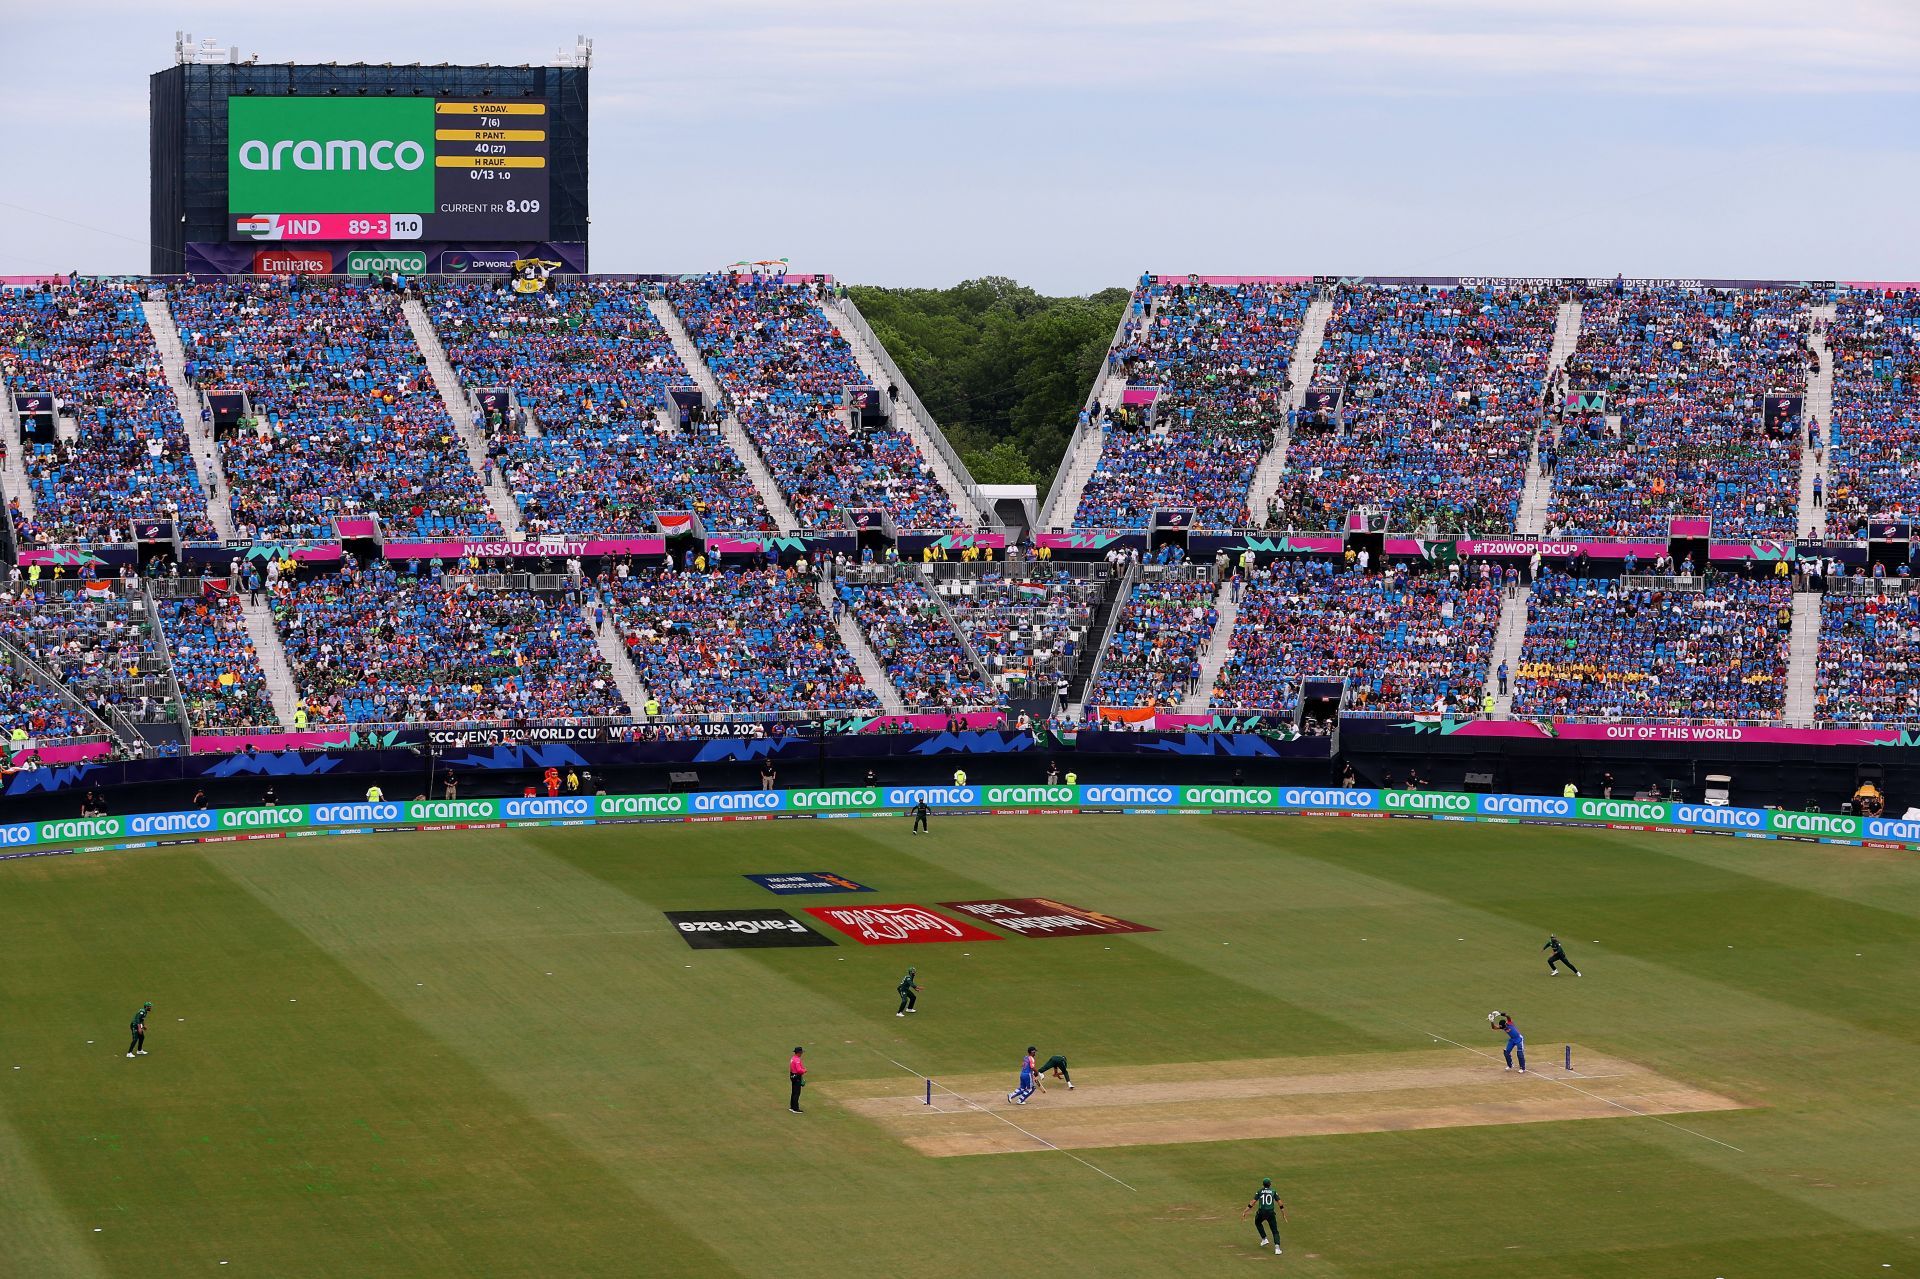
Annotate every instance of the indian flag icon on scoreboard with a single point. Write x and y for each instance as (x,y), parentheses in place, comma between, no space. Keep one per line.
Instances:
(261,226)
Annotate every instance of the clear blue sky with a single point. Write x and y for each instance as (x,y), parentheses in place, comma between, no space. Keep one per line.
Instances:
(1071,144)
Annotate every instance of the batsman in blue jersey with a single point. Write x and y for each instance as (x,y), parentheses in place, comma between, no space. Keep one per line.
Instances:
(1516,1043)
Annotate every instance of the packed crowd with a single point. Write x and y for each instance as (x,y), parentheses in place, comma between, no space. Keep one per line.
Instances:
(214,662)
(596,368)
(1220,355)
(1869,665)
(1686,373)
(98,644)
(1875,431)
(31,711)
(1404,641)
(923,655)
(1596,648)
(87,345)
(347,419)
(1440,396)
(784,370)
(373,646)
(1153,656)
(1028,625)
(733,640)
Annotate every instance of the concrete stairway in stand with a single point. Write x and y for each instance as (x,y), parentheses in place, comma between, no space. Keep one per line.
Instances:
(273,659)
(1219,648)
(904,415)
(447,382)
(1803,655)
(872,669)
(730,429)
(18,486)
(1508,640)
(626,677)
(200,441)
(1085,460)
(1818,408)
(1534,498)
(1273,464)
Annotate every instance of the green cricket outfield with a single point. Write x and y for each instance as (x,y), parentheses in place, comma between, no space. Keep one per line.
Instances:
(492,1053)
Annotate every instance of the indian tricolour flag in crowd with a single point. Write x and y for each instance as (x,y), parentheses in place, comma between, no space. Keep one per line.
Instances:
(99,591)
(261,226)
(1029,591)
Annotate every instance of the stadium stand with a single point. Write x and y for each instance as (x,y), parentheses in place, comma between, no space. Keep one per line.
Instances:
(1153,655)
(1875,431)
(87,344)
(1440,402)
(372,646)
(593,364)
(785,369)
(99,644)
(1869,665)
(31,712)
(734,641)
(214,662)
(1685,372)
(1028,623)
(1405,641)
(1606,648)
(349,420)
(1220,354)
(925,659)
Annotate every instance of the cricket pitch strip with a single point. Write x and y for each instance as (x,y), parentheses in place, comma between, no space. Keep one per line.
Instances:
(1274,1097)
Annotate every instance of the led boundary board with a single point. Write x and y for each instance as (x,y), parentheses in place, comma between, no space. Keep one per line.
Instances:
(386,169)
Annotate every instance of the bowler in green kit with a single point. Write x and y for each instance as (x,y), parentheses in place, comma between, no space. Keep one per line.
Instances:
(1056,1064)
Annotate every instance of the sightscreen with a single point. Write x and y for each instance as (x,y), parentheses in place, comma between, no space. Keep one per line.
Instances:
(385,169)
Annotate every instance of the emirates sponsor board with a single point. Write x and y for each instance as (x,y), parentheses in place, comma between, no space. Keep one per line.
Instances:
(1044,917)
(895,925)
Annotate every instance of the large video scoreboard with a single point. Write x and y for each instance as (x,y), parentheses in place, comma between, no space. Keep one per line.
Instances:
(358,168)
(386,169)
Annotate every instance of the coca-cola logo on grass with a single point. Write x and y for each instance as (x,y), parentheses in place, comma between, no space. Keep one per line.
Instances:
(896,925)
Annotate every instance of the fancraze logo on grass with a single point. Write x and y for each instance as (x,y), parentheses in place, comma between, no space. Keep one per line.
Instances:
(896,925)
(808,881)
(1044,917)
(742,929)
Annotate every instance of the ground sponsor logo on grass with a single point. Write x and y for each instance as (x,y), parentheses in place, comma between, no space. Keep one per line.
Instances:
(79,828)
(169,823)
(1621,810)
(1525,805)
(808,881)
(254,818)
(642,805)
(848,797)
(547,806)
(737,801)
(1044,917)
(1229,796)
(933,796)
(1426,801)
(896,924)
(453,810)
(742,929)
(997,795)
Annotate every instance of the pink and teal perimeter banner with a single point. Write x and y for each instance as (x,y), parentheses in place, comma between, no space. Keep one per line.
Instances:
(1703,734)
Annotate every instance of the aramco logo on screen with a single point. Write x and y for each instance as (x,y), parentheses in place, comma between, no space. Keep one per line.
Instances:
(330,155)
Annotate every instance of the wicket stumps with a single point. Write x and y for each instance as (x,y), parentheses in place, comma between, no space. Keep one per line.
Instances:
(1569,1056)
(930,1082)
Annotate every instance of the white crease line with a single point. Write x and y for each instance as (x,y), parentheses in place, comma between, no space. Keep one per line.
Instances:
(997,1115)
(1548,1076)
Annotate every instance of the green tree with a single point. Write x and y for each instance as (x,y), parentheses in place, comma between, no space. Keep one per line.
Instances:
(1003,369)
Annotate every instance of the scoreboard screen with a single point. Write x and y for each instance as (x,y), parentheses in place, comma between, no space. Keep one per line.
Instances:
(386,169)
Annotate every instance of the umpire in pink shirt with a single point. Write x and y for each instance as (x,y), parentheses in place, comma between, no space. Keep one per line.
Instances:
(797,1075)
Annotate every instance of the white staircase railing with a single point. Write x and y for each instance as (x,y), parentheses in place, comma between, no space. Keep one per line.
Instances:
(1273,463)
(626,677)
(1818,407)
(274,666)
(1219,649)
(1509,639)
(1803,660)
(730,429)
(447,382)
(200,442)
(872,669)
